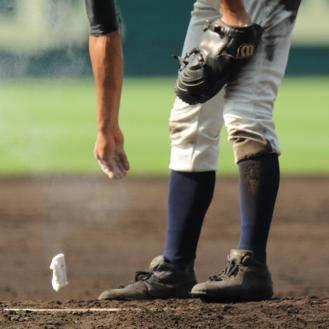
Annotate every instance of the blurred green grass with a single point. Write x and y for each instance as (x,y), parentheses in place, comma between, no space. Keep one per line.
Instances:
(48,126)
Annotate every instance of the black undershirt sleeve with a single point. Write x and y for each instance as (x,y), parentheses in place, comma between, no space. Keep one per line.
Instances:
(102,16)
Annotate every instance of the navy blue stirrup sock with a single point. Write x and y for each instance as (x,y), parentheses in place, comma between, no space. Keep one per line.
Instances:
(190,195)
(259,184)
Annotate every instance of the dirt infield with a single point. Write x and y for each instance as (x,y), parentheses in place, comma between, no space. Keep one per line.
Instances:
(108,230)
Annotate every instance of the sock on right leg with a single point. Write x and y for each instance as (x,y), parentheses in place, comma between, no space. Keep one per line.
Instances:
(190,195)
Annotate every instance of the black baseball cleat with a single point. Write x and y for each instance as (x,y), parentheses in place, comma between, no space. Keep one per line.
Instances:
(244,279)
(164,280)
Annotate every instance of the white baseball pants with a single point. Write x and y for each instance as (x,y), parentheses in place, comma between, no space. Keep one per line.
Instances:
(245,106)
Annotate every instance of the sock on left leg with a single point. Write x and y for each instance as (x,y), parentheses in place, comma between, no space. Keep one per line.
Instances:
(259,183)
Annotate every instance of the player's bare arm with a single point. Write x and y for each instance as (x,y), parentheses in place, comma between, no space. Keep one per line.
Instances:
(107,62)
(234,13)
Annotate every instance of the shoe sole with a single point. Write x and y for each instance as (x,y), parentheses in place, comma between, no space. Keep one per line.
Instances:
(147,297)
(218,299)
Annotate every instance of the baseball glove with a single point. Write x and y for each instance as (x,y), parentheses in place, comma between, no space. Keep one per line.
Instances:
(222,52)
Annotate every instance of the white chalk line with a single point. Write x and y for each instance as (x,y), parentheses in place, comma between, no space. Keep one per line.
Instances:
(88,310)
(65,310)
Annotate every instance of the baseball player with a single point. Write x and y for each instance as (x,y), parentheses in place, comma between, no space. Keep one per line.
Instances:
(107,62)
(234,59)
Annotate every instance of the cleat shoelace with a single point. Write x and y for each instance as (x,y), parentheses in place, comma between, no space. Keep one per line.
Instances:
(142,276)
(231,268)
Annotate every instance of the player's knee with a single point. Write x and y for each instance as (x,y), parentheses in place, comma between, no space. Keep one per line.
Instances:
(247,145)
(102,16)
(182,133)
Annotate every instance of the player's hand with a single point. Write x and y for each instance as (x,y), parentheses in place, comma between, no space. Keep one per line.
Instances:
(110,154)
(236,20)
(234,13)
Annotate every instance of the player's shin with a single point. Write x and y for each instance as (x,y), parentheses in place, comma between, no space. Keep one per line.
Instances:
(190,194)
(259,183)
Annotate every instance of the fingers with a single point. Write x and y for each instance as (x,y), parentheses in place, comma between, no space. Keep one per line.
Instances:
(121,172)
(115,168)
(106,168)
(110,169)
(124,160)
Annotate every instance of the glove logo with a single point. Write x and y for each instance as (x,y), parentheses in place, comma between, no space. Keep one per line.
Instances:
(246,50)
